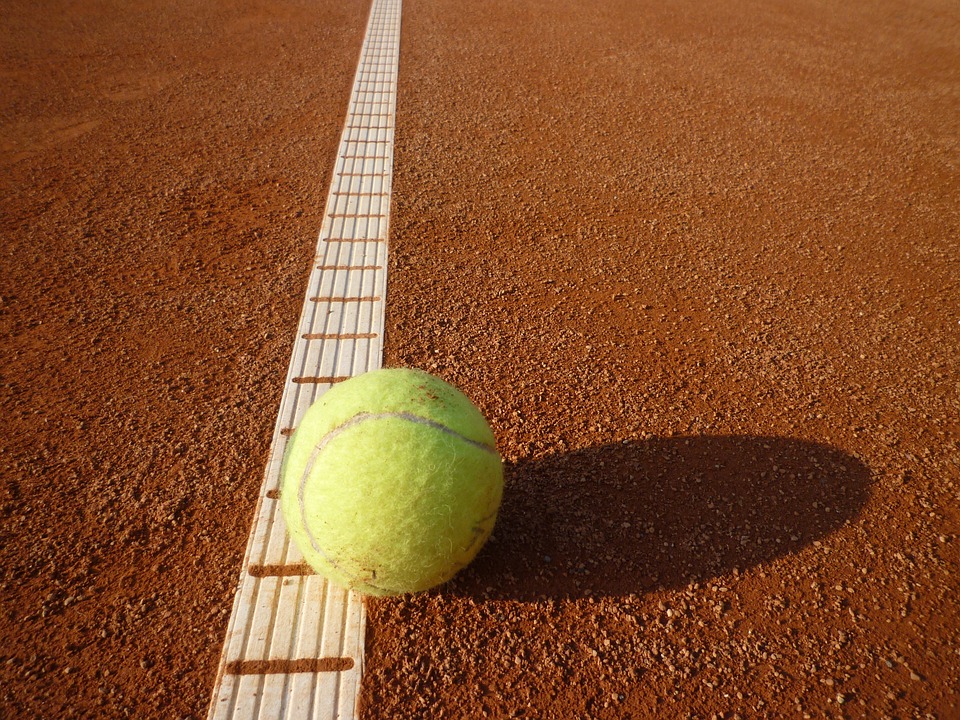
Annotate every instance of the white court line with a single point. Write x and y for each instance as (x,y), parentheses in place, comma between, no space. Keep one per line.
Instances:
(294,644)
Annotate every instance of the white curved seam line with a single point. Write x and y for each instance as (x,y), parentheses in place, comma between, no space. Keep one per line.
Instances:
(333,434)
(410,417)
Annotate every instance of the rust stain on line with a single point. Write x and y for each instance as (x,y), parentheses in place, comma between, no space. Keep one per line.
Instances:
(307,380)
(298,570)
(288,667)
(346,298)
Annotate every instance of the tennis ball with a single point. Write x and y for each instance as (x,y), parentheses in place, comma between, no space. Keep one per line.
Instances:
(391,482)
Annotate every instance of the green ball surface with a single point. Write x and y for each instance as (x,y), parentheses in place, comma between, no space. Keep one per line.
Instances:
(391,482)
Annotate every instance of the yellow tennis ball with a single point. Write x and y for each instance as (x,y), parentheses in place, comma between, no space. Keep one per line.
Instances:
(391,482)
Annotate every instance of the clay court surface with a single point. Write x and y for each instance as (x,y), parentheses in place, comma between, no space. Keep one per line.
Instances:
(697,262)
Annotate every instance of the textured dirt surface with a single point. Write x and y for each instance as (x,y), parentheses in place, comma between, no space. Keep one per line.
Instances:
(697,262)
(164,168)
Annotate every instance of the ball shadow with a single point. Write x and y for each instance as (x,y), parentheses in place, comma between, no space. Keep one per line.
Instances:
(634,517)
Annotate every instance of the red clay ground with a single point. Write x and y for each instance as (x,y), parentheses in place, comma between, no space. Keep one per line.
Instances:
(697,262)
(164,174)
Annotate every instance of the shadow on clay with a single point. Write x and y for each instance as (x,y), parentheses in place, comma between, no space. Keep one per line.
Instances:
(656,514)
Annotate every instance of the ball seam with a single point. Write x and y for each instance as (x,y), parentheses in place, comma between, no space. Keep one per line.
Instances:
(330,436)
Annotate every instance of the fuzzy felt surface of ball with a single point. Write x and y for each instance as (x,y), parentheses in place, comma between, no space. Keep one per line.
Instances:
(391,483)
